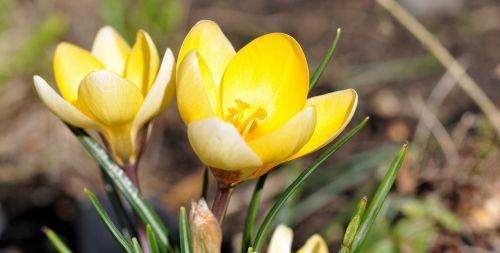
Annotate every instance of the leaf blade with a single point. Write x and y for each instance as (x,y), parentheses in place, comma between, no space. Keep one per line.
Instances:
(126,187)
(54,239)
(292,188)
(378,200)
(184,233)
(326,59)
(115,232)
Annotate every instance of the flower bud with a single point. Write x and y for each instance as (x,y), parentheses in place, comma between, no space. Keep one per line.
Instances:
(206,233)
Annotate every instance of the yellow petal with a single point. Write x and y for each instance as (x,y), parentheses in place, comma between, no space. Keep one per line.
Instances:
(60,107)
(120,142)
(111,99)
(315,244)
(271,73)
(213,46)
(111,49)
(281,241)
(158,96)
(287,140)
(71,65)
(219,145)
(333,112)
(143,62)
(196,96)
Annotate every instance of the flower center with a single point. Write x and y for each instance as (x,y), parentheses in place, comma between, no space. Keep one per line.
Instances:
(244,117)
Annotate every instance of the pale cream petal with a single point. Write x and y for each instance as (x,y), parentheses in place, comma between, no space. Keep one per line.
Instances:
(315,244)
(71,65)
(334,111)
(60,107)
(213,46)
(269,73)
(219,145)
(281,241)
(112,100)
(159,95)
(287,140)
(196,94)
(111,49)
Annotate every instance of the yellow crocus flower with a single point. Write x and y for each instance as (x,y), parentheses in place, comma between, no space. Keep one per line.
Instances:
(281,242)
(248,111)
(113,88)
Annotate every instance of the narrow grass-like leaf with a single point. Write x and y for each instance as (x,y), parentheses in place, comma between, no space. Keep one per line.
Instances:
(353,226)
(136,245)
(344,175)
(252,212)
(153,245)
(322,66)
(122,241)
(124,219)
(378,200)
(290,190)
(184,233)
(204,191)
(126,187)
(54,239)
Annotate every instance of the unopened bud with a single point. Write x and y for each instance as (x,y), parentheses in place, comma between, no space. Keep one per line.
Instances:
(206,233)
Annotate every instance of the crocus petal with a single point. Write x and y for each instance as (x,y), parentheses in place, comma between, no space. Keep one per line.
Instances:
(271,73)
(60,107)
(213,46)
(143,62)
(287,140)
(159,95)
(281,241)
(195,89)
(113,100)
(111,49)
(71,65)
(120,142)
(219,145)
(333,111)
(315,244)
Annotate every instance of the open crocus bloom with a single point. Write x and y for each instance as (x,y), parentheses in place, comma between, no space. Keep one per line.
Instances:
(281,242)
(114,89)
(248,111)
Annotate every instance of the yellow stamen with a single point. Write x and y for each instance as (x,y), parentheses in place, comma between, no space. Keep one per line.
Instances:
(245,123)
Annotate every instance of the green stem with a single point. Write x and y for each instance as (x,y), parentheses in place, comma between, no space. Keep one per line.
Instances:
(252,212)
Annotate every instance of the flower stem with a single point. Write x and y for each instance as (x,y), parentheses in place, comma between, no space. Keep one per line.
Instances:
(132,172)
(221,201)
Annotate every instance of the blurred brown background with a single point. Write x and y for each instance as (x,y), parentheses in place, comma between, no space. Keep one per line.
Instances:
(447,195)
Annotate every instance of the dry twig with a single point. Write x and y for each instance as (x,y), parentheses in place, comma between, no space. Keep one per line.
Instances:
(440,52)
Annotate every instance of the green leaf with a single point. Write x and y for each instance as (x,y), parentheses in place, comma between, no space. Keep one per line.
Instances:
(153,245)
(292,188)
(136,245)
(126,187)
(184,234)
(122,241)
(378,200)
(322,66)
(343,175)
(124,219)
(54,239)
(252,212)
(353,226)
